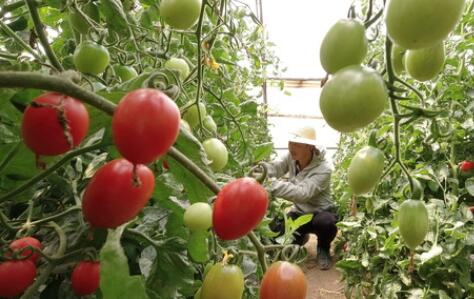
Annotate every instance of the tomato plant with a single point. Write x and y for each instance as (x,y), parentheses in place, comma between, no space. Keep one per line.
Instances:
(424,64)
(353,98)
(85,278)
(216,152)
(283,280)
(365,170)
(146,138)
(198,216)
(213,286)
(78,22)
(125,72)
(345,44)
(415,24)
(180,14)
(21,243)
(54,123)
(413,222)
(91,58)
(192,115)
(16,277)
(179,65)
(114,195)
(240,206)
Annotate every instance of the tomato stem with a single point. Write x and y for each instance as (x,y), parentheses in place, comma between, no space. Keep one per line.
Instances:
(411,264)
(260,250)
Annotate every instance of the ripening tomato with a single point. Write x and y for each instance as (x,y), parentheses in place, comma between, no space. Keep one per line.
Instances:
(114,196)
(424,64)
(85,278)
(413,222)
(240,206)
(283,280)
(198,216)
(466,166)
(216,152)
(365,169)
(353,98)
(180,14)
(145,125)
(47,121)
(223,281)
(16,277)
(19,244)
(415,24)
(345,44)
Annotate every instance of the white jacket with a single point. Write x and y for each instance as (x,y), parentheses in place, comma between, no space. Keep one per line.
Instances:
(310,189)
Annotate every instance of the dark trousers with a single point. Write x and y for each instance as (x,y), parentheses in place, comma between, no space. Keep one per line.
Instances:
(323,224)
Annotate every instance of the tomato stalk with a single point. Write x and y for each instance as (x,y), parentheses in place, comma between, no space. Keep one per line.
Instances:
(260,250)
(32,5)
(200,58)
(6,222)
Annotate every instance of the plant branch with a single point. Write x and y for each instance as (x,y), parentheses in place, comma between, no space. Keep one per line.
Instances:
(19,40)
(42,36)
(200,58)
(57,216)
(260,250)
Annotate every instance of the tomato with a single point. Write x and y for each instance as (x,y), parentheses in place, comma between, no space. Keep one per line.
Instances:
(125,72)
(210,125)
(145,138)
(353,98)
(216,152)
(179,65)
(198,216)
(345,44)
(466,166)
(240,206)
(91,58)
(165,165)
(77,20)
(41,126)
(185,125)
(19,244)
(365,169)
(113,198)
(191,115)
(415,24)
(397,57)
(180,14)
(223,282)
(283,280)
(413,222)
(424,64)
(16,277)
(85,278)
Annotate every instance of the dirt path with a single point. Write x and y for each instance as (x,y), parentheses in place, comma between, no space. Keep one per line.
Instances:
(322,284)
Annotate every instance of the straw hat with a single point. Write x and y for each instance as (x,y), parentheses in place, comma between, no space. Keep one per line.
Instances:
(305,135)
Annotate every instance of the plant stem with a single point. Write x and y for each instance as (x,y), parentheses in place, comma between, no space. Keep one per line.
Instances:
(20,41)
(42,36)
(57,216)
(23,187)
(199,59)
(9,156)
(260,250)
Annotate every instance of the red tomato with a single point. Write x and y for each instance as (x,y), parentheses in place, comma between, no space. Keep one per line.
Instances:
(466,166)
(85,278)
(19,244)
(166,165)
(283,280)
(112,197)
(41,127)
(145,125)
(239,207)
(16,277)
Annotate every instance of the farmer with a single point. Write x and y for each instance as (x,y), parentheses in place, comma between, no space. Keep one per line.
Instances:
(308,187)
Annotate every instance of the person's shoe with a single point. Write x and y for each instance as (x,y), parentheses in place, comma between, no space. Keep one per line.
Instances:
(324,259)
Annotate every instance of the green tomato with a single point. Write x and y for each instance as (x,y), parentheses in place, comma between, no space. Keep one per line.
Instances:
(424,64)
(353,98)
(179,65)
(198,216)
(180,14)
(415,24)
(91,58)
(223,282)
(365,170)
(217,153)
(185,125)
(413,222)
(77,20)
(125,72)
(191,115)
(210,125)
(397,55)
(345,44)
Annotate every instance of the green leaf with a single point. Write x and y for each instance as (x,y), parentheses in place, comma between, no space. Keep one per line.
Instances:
(114,15)
(349,264)
(262,151)
(302,220)
(198,246)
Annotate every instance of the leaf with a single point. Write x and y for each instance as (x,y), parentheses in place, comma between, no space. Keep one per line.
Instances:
(434,251)
(262,151)
(198,246)
(302,220)
(470,186)
(349,264)
(114,15)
